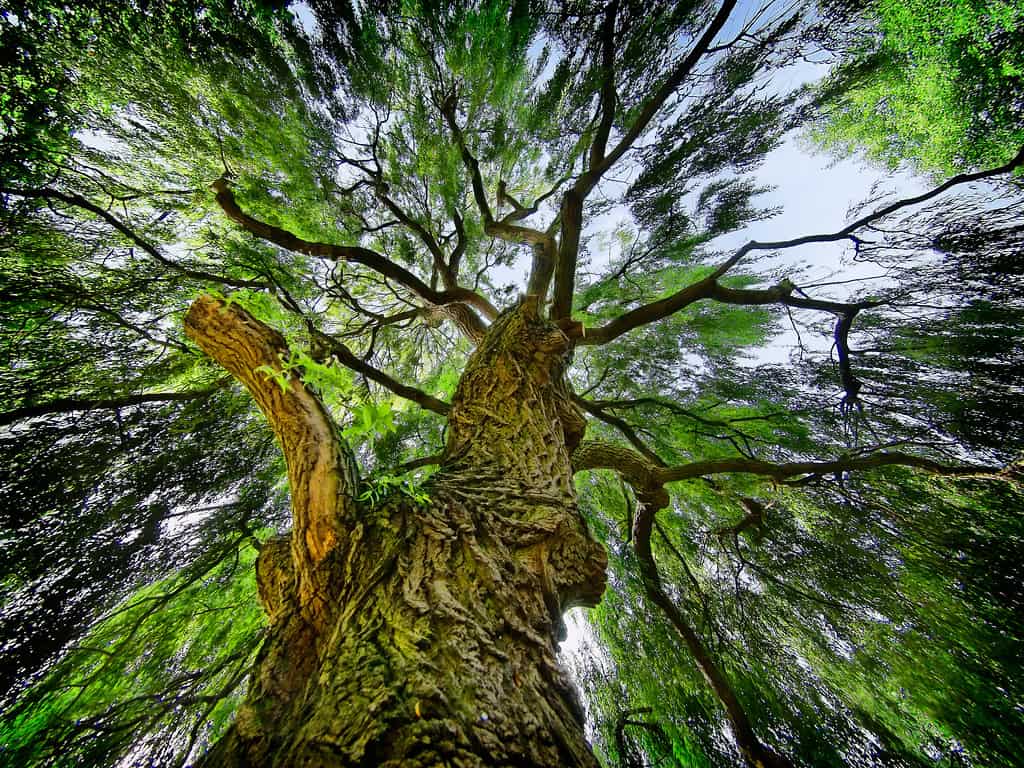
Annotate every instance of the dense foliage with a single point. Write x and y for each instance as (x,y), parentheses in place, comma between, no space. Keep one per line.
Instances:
(935,84)
(385,179)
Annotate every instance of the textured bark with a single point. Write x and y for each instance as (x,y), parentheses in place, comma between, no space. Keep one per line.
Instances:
(436,629)
(321,470)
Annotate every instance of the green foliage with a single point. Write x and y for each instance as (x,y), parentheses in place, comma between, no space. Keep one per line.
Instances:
(861,620)
(131,675)
(383,486)
(872,605)
(940,89)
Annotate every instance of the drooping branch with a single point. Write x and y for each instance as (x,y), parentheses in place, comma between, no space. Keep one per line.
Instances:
(78,405)
(321,470)
(357,255)
(151,250)
(595,454)
(845,313)
(755,753)
(851,384)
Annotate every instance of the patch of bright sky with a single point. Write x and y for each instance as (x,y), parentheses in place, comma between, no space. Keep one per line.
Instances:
(307,20)
(582,651)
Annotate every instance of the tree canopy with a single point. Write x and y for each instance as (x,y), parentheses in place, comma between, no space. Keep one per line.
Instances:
(806,486)
(933,84)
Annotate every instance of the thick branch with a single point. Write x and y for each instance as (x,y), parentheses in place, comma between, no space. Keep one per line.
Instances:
(76,405)
(350,253)
(594,454)
(571,218)
(648,313)
(321,470)
(710,288)
(851,384)
(653,104)
(846,232)
(572,203)
(608,97)
(460,245)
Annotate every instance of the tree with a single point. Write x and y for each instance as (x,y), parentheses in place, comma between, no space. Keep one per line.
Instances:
(935,84)
(315,212)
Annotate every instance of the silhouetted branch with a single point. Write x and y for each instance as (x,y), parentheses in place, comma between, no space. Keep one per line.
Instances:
(78,405)
(150,249)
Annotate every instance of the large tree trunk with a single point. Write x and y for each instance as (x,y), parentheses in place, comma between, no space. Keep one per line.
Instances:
(422,634)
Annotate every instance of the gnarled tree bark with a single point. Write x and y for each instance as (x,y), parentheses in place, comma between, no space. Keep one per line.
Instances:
(419,634)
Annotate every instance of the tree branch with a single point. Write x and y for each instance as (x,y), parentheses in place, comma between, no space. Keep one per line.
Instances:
(80,202)
(77,405)
(756,754)
(608,97)
(354,254)
(322,474)
(626,719)
(543,243)
(346,357)
(520,211)
(448,278)
(710,288)
(846,232)
(596,410)
(572,203)
(594,454)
